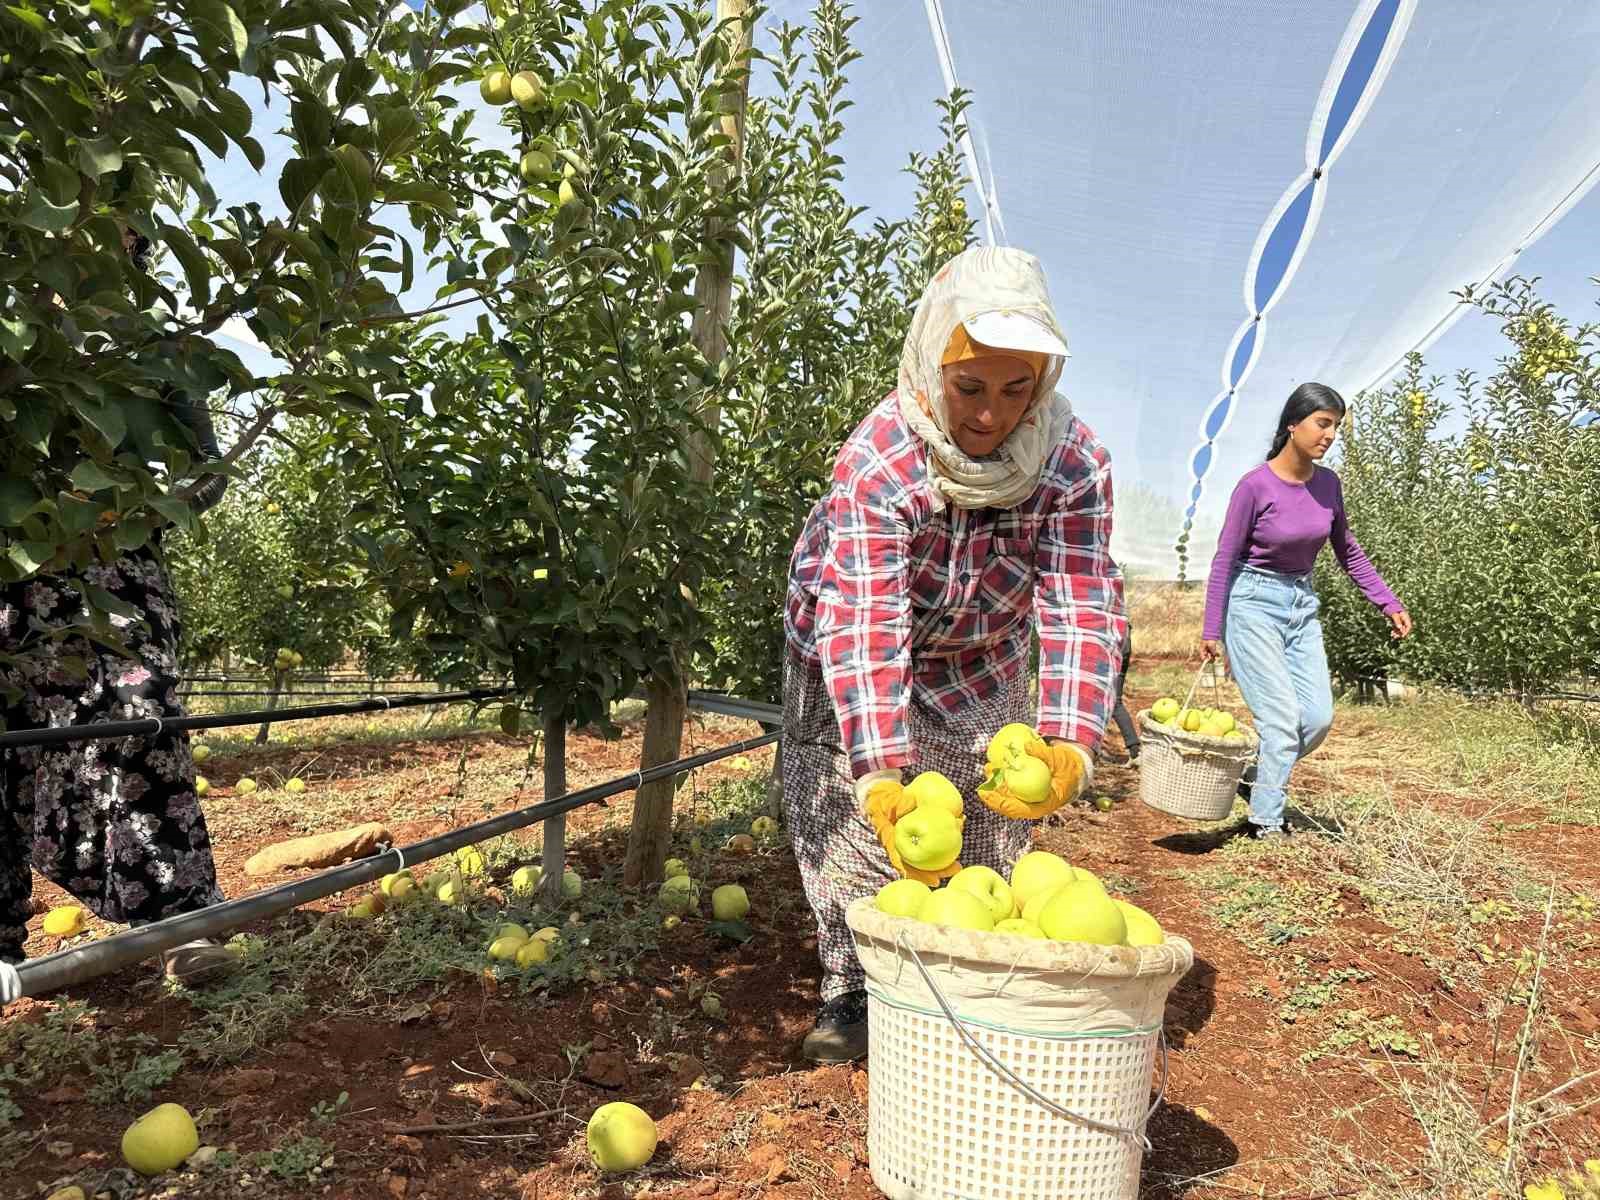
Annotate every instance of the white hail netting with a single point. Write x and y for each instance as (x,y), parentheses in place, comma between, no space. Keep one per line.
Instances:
(1141,148)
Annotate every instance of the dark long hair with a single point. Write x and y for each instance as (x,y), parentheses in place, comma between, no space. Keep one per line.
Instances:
(1306,399)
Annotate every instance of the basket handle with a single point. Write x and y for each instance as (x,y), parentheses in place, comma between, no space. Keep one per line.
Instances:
(999,1068)
(1198,675)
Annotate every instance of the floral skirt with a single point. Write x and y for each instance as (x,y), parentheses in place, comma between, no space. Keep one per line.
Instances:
(114,822)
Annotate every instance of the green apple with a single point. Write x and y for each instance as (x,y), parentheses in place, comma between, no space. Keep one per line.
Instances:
(928,838)
(674,866)
(527,90)
(671,921)
(1020,928)
(512,930)
(729,902)
(1234,738)
(1164,709)
(535,165)
(541,573)
(1090,878)
(504,949)
(495,86)
(386,884)
(160,1140)
(566,193)
(367,908)
(295,786)
(470,861)
(285,591)
(403,889)
(434,880)
(621,1137)
(1143,929)
(1037,872)
(988,886)
(764,827)
(932,790)
(571,885)
(903,897)
(1036,903)
(954,906)
(1081,912)
(525,880)
(273,508)
(1225,720)
(678,894)
(201,752)
(532,952)
(1012,741)
(202,785)
(1103,803)
(452,891)
(245,786)
(1192,720)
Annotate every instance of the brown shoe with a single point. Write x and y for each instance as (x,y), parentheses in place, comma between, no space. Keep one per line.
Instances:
(198,962)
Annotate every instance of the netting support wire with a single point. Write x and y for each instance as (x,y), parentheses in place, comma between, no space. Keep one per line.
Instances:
(154,725)
(993,225)
(80,964)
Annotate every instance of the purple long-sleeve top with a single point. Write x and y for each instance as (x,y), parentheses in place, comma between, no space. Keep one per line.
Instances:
(1281,526)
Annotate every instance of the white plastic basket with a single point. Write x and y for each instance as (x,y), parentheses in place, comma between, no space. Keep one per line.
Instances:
(1187,774)
(1006,1069)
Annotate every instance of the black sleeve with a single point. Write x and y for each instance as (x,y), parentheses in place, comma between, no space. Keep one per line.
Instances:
(198,420)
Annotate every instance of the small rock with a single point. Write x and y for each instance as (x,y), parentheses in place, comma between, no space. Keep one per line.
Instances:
(607,1070)
(203,1157)
(246,1081)
(61,1149)
(706,1187)
(499,1058)
(319,850)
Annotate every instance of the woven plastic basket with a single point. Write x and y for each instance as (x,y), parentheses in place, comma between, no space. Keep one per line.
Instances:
(1006,1069)
(1190,774)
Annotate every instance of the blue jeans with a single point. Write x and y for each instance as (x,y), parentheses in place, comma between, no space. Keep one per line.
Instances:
(1275,652)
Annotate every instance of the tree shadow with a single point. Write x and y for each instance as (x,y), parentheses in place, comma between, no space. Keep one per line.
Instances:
(1185,1148)
(1190,1003)
(1202,841)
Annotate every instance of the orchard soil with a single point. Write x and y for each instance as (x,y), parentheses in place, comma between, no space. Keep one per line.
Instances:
(740,1115)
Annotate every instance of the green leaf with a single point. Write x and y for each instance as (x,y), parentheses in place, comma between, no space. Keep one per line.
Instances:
(38,213)
(196,266)
(99,156)
(105,602)
(30,556)
(18,498)
(28,17)
(16,336)
(107,418)
(89,476)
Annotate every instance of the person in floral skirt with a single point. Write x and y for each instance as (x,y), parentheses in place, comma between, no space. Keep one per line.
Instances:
(114,822)
(969,505)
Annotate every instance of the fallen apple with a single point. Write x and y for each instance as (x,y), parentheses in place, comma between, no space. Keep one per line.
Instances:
(525,880)
(295,786)
(67,921)
(512,929)
(160,1140)
(470,861)
(386,885)
(621,1137)
(201,752)
(202,785)
(571,885)
(729,902)
(678,894)
(674,866)
(504,949)
(742,843)
(764,827)
(245,786)
(532,952)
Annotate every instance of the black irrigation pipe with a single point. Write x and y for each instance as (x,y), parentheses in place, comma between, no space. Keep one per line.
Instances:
(287,694)
(150,725)
(1501,693)
(83,963)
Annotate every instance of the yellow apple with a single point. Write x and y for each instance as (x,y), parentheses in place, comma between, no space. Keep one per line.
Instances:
(67,921)
(386,884)
(295,786)
(1081,912)
(245,786)
(452,891)
(470,861)
(1038,871)
(1143,929)
(512,930)
(202,785)
(160,1140)
(742,843)
(525,880)
(678,894)
(621,1137)
(903,897)
(1164,709)
(928,838)
(403,890)
(1036,903)
(1020,928)
(674,866)
(952,906)
(495,86)
(566,193)
(729,902)
(201,752)
(534,166)
(532,952)
(527,90)
(988,886)
(932,790)
(1011,741)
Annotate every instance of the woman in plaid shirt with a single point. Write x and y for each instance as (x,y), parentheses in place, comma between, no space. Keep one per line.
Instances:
(969,502)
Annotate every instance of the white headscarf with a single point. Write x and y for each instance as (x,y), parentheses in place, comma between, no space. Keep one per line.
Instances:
(984,279)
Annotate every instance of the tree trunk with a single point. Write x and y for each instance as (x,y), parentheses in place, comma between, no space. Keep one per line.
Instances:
(553,859)
(651,835)
(272,704)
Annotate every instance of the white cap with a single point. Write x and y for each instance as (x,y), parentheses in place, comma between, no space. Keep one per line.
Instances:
(1008,329)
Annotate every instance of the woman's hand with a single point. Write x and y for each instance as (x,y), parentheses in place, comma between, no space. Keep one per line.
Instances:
(1210,651)
(1401,622)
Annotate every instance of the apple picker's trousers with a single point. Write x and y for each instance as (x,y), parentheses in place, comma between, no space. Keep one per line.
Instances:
(838,852)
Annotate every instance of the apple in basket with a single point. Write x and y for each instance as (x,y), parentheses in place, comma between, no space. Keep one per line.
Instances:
(1164,709)
(987,885)
(903,897)
(1082,912)
(1143,929)
(1037,872)
(957,907)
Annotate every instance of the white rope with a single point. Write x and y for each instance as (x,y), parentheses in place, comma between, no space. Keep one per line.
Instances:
(10,984)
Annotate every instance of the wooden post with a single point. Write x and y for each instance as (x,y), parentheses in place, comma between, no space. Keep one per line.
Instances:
(651,835)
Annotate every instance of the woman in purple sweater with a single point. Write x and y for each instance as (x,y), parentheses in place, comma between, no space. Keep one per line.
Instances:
(1259,602)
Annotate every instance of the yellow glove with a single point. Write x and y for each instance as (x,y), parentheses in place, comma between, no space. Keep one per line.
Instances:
(884,802)
(1029,778)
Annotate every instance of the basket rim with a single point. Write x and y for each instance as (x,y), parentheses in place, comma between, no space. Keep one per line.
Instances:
(1174,957)
(1154,728)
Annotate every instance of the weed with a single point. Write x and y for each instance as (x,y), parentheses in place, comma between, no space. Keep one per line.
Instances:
(1357,1027)
(302,1159)
(116,1083)
(325,1113)
(1318,994)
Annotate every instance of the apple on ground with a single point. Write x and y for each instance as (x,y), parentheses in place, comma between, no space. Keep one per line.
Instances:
(742,843)
(201,752)
(928,838)
(621,1137)
(764,827)
(1038,871)
(245,786)
(988,886)
(504,949)
(674,866)
(532,952)
(67,921)
(678,894)
(954,906)
(295,786)
(160,1140)
(512,930)
(729,902)
(202,785)
(386,885)
(525,880)
(571,885)
(903,897)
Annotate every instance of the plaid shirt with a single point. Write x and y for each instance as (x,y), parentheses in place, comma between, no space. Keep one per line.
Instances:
(900,602)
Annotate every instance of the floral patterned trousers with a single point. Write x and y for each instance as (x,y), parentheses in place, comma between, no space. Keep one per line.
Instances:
(114,822)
